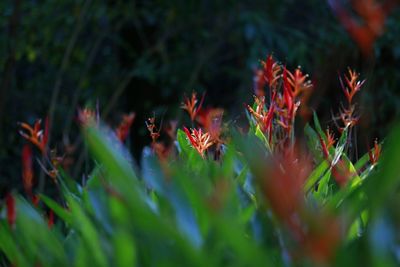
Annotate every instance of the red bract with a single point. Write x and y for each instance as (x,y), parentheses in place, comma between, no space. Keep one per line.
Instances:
(11,211)
(35,134)
(299,82)
(287,105)
(352,85)
(375,153)
(190,105)
(263,116)
(271,72)
(326,145)
(330,137)
(123,129)
(199,140)
(288,94)
(27,169)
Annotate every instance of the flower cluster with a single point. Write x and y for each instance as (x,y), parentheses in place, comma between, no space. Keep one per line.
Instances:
(200,141)
(286,90)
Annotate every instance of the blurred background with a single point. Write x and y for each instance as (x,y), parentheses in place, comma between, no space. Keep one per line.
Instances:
(143,56)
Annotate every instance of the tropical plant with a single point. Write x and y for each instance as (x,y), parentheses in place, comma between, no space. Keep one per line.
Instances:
(216,194)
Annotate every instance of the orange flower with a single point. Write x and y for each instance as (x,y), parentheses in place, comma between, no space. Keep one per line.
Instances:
(35,135)
(199,140)
(190,105)
(123,129)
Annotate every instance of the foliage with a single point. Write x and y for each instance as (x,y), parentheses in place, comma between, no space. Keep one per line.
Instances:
(216,194)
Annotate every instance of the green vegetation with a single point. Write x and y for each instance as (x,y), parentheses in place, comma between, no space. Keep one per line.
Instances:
(215,194)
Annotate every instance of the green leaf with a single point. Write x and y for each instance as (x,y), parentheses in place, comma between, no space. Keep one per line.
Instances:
(124,249)
(88,231)
(316,175)
(313,142)
(184,146)
(58,210)
(340,146)
(318,127)
(262,137)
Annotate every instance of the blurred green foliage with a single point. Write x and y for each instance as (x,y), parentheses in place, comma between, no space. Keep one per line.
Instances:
(196,211)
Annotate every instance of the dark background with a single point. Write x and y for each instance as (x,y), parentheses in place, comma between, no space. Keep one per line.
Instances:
(142,56)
